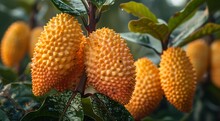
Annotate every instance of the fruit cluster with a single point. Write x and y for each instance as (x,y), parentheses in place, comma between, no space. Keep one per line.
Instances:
(175,79)
(200,53)
(63,51)
(62,54)
(17,40)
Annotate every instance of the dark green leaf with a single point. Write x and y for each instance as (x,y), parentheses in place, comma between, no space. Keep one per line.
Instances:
(184,14)
(213,5)
(100,3)
(73,7)
(145,25)
(108,109)
(53,107)
(7,74)
(205,30)
(87,108)
(3,116)
(190,26)
(139,10)
(18,97)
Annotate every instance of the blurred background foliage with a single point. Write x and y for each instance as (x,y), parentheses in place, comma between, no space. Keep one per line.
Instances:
(18,85)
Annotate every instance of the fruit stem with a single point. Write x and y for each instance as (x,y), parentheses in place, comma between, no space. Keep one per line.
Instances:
(33,22)
(91,18)
(82,84)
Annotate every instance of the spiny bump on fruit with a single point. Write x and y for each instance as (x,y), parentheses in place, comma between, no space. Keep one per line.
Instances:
(215,63)
(110,65)
(15,43)
(178,78)
(55,55)
(35,34)
(198,52)
(148,92)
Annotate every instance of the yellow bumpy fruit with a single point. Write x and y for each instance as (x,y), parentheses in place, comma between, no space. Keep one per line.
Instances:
(178,78)
(55,58)
(148,92)
(215,63)
(110,65)
(198,52)
(35,34)
(15,43)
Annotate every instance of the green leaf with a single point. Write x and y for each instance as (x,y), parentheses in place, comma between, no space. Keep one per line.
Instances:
(108,109)
(87,108)
(141,45)
(213,5)
(205,30)
(145,25)
(187,28)
(7,74)
(184,14)
(100,3)
(139,10)
(73,7)
(3,116)
(53,107)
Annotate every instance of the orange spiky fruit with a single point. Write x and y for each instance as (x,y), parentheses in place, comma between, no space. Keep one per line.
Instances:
(35,34)
(148,92)
(178,78)
(15,43)
(215,63)
(198,52)
(55,56)
(110,65)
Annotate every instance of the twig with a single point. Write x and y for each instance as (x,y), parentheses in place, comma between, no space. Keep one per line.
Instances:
(15,104)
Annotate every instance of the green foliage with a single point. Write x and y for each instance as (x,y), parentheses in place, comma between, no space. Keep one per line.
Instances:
(213,5)
(187,28)
(145,25)
(3,116)
(7,75)
(53,107)
(101,3)
(185,14)
(143,45)
(109,110)
(139,10)
(208,29)
(73,7)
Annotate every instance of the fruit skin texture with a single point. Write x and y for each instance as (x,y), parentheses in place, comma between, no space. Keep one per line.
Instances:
(198,52)
(215,63)
(15,43)
(148,92)
(178,78)
(35,34)
(109,65)
(55,56)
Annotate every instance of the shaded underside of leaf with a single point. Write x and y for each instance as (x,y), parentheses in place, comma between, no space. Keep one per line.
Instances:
(108,109)
(73,7)
(100,3)
(208,29)
(184,14)
(187,28)
(144,25)
(139,10)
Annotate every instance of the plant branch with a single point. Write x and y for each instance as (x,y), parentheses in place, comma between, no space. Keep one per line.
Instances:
(33,22)
(15,104)
(91,18)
